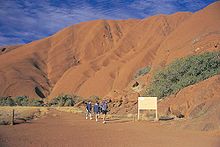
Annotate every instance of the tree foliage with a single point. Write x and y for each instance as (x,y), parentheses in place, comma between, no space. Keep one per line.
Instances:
(64,100)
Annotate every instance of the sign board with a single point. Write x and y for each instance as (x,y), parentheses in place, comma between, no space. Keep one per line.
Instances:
(147,103)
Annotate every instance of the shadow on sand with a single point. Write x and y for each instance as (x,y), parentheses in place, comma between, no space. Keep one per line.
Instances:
(117,120)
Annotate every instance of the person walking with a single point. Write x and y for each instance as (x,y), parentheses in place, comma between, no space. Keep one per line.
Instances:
(96,110)
(88,110)
(104,108)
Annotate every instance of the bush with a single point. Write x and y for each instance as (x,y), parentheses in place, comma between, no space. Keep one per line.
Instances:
(143,71)
(94,98)
(7,101)
(22,101)
(69,102)
(184,72)
(36,102)
(64,100)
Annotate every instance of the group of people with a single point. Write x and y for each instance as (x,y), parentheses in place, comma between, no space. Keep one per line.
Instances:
(97,109)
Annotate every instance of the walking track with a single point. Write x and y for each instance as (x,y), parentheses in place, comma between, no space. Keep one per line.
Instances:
(61,129)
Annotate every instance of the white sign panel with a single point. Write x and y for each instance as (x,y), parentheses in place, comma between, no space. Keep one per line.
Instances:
(147,103)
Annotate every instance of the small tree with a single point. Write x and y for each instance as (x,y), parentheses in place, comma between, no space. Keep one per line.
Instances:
(22,101)
(69,102)
(7,101)
(36,102)
(63,100)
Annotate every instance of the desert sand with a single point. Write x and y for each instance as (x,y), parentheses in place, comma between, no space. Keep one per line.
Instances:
(66,129)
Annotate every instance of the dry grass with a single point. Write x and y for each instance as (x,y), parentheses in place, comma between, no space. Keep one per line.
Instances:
(68,109)
(21,114)
(108,116)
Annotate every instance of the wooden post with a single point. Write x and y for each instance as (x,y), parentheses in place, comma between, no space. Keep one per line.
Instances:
(12,117)
(134,117)
(156,119)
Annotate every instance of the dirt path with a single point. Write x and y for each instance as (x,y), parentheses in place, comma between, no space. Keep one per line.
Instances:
(60,129)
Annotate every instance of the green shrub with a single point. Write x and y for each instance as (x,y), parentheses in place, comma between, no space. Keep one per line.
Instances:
(143,71)
(6,101)
(69,102)
(94,98)
(64,100)
(22,101)
(184,72)
(36,102)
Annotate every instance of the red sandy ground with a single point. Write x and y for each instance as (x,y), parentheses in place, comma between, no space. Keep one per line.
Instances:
(66,129)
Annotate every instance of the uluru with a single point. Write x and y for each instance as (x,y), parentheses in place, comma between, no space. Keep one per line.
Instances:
(116,52)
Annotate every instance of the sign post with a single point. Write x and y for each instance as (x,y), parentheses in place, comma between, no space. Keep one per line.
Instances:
(147,103)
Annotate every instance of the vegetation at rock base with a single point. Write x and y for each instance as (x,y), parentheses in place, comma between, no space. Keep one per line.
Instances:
(184,72)
(143,71)
(64,100)
(94,98)
(7,101)
(20,101)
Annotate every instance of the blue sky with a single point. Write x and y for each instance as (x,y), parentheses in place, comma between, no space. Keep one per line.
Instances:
(22,21)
